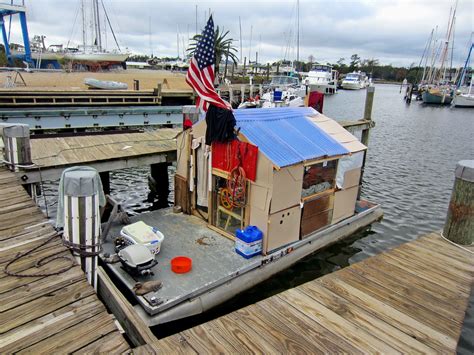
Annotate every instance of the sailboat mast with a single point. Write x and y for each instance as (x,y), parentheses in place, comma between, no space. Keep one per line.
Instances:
(177,38)
(298,33)
(99,38)
(240,26)
(84,37)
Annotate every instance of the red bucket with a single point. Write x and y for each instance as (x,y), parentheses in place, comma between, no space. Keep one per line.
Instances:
(181,264)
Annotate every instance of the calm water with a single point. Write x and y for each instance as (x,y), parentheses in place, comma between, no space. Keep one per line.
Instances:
(413,151)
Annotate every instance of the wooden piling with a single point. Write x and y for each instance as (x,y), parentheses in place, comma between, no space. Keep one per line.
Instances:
(369,101)
(459,226)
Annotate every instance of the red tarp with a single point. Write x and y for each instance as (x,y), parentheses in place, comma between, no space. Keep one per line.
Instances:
(225,156)
(316,101)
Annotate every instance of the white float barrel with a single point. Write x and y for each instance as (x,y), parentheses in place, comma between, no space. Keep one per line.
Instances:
(190,112)
(16,139)
(82,219)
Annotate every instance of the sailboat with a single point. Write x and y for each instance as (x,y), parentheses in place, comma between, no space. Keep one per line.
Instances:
(94,56)
(439,89)
(465,99)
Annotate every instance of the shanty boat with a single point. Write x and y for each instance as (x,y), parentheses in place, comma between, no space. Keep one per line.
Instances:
(295,181)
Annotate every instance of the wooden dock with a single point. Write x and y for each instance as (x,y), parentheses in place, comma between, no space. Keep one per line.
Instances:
(45,314)
(104,152)
(410,299)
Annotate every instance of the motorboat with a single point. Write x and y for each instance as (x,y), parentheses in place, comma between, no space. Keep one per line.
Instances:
(355,81)
(322,78)
(104,84)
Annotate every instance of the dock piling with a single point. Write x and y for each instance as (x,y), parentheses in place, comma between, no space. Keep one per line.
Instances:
(16,138)
(81,212)
(459,226)
(159,184)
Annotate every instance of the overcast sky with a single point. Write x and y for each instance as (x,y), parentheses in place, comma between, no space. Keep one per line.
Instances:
(393,31)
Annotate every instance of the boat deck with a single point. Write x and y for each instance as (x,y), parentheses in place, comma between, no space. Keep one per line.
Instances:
(214,258)
(411,299)
(218,271)
(43,314)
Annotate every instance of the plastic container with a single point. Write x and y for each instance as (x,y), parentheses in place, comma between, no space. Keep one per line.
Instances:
(143,234)
(181,264)
(248,242)
(277,95)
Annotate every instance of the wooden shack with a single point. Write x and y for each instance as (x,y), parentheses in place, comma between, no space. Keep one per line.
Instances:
(290,159)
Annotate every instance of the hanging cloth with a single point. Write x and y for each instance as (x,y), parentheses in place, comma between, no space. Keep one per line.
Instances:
(220,125)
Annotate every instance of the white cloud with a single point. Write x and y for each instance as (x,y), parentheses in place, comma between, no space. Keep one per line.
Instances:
(394,31)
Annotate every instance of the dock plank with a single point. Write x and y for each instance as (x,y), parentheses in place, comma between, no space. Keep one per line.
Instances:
(411,299)
(45,313)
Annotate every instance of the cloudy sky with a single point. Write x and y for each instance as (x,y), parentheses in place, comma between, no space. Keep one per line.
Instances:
(393,31)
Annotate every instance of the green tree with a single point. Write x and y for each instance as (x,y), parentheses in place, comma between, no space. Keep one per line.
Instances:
(223,47)
(355,61)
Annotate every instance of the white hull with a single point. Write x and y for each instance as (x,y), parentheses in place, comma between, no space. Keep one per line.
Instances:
(353,85)
(97,57)
(464,100)
(323,88)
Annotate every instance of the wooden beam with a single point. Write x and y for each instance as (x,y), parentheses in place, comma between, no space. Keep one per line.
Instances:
(128,318)
(29,177)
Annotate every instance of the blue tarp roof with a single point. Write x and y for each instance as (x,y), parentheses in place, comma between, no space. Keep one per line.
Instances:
(285,135)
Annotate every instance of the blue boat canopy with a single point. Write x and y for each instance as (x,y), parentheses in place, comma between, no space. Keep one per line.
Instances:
(286,136)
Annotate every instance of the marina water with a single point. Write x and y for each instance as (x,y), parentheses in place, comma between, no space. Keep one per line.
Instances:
(413,150)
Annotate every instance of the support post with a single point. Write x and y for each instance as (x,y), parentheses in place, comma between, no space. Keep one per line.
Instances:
(81,217)
(459,226)
(369,101)
(136,85)
(16,138)
(105,179)
(5,41)
(26,38)
(242,93)
(159,184)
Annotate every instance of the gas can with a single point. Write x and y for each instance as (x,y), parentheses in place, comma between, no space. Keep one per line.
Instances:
(248,242)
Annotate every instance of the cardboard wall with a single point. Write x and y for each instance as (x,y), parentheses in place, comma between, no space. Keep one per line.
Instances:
(351,178)
(182,144)
(287,185)
(283,228)
(344,203)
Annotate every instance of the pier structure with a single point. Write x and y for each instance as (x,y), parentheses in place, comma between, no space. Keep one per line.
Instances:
(46,304)
(412,298)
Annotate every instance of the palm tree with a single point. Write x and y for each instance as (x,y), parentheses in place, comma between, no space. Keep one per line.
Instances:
(222,47)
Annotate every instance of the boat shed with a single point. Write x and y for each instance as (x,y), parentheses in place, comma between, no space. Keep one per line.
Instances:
(289,158)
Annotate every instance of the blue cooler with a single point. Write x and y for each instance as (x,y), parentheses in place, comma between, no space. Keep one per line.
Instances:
(277,95)
(248,242)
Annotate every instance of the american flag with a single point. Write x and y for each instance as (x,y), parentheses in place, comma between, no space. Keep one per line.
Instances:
(200,75)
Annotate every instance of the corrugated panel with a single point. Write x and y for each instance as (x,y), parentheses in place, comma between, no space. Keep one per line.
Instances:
(286,136)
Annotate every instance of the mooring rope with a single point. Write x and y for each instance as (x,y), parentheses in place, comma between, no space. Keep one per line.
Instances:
(41,262)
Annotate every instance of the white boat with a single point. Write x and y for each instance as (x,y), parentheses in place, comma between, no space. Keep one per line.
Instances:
(94,55)
(105,85)
(355,81)
(322,78)
(89,55)
(465,99)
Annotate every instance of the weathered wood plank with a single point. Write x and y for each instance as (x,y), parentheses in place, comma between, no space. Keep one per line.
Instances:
(50,324)
(36,289)
(112,343)
(335,323)
(407,324)
(75,337)
(48,303)
(363,319)
(134,326)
